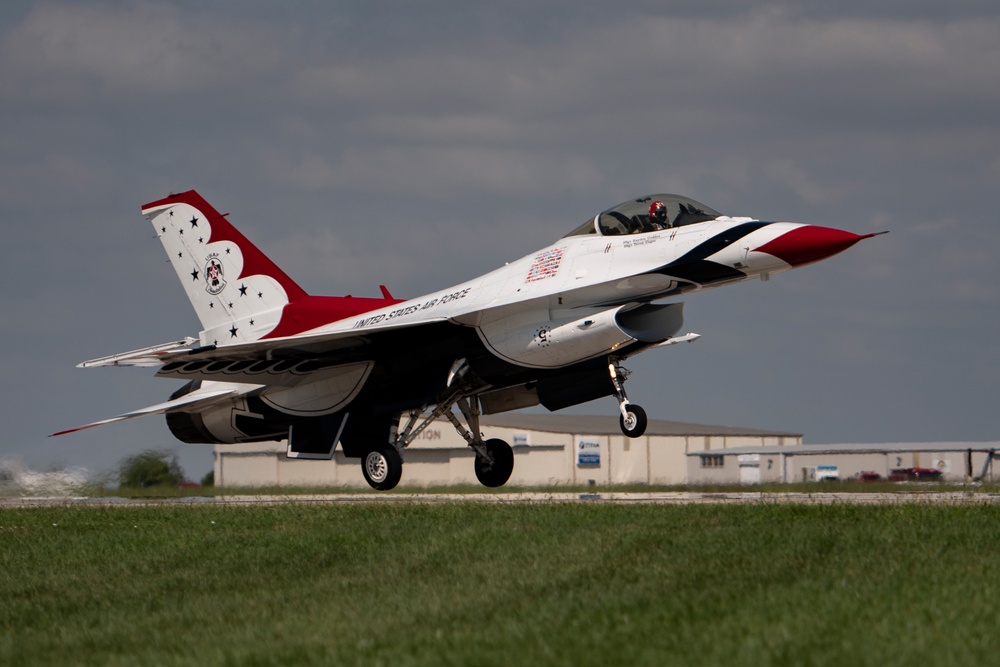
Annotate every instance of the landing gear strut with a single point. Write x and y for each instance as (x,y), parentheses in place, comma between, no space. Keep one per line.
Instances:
(494,463)
(494,457)
(633,418)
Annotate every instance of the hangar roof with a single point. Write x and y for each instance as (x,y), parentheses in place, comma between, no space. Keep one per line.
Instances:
(608,425)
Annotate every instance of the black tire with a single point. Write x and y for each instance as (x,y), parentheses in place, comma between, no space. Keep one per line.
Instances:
(636,425)
(497,473)
(382,468)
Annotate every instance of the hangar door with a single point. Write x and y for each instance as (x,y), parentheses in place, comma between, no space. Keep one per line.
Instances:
(749,465)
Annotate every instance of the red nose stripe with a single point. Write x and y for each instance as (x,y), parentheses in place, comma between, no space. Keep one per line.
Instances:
(808,244)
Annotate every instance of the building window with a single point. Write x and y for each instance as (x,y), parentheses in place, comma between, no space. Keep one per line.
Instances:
(713,461)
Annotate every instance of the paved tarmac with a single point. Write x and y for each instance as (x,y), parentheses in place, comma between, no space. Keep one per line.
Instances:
(653,498)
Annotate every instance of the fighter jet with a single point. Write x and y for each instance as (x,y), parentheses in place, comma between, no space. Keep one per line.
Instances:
(274,363)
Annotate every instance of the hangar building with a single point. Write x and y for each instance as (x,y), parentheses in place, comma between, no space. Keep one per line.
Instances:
(555,449)
(952,461)
(549,449)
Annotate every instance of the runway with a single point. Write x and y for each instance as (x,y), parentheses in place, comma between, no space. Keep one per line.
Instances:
(652,498)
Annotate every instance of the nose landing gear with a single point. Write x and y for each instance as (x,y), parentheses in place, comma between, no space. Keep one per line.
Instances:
(633,418)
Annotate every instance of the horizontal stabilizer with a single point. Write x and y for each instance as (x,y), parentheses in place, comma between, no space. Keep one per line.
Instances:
(194,399)
(154,355)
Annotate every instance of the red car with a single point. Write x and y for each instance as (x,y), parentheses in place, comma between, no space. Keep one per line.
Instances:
(915,474)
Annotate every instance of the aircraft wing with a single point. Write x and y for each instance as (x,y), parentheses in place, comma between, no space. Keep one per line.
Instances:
(197,399)
(286,361)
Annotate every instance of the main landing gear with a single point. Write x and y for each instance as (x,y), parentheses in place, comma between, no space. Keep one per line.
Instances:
(383,467)
(494,467)
(633,418)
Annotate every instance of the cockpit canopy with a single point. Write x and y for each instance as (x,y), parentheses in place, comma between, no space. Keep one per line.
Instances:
(632,217)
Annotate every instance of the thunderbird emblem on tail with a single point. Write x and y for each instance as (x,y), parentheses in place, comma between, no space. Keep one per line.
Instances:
(214,282)
(370,374)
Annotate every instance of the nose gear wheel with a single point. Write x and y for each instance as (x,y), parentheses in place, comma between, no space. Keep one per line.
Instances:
(633,422)
(633,418)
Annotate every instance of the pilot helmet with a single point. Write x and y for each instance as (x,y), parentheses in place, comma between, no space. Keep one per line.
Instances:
(658,212)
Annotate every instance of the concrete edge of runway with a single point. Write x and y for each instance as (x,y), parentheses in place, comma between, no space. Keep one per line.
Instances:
(652,498)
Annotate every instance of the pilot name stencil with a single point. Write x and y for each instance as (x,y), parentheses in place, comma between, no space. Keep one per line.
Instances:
(642,240)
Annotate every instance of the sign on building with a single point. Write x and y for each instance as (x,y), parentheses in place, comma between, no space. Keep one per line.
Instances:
(588,450)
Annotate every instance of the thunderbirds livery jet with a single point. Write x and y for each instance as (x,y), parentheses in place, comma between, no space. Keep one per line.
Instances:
(552,328)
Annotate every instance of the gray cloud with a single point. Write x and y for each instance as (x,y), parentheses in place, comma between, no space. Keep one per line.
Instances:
(69,52)
(436,171)
(419,145)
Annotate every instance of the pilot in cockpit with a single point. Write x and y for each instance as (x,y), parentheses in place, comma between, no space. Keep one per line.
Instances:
(658,216)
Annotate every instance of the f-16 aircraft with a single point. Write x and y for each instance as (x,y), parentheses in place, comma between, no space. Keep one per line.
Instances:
(274,363)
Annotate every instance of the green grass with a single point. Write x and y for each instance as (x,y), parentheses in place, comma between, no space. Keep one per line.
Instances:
(500,584)
(99,491)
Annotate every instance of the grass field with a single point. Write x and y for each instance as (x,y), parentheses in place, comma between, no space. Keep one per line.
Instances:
(508,584)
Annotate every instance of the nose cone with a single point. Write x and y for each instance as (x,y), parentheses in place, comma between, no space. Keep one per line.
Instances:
(810,243)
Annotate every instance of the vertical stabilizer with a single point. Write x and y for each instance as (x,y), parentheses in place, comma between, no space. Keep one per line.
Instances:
(237,292)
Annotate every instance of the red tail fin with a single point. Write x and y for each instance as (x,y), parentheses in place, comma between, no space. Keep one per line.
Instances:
(237,292)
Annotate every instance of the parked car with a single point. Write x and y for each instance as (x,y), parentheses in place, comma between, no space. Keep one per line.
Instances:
(915,474)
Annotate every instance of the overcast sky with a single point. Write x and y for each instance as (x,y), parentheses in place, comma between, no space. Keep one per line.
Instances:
(420,144)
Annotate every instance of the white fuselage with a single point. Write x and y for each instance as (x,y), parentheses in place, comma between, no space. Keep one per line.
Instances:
(578,279)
